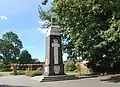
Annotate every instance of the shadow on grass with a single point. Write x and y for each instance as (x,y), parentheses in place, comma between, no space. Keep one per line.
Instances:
(12,86)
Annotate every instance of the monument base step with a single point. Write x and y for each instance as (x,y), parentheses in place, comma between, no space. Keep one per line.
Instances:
(55,78)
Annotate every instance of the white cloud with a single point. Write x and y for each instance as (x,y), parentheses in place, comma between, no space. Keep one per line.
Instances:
(42,30)
(3,18)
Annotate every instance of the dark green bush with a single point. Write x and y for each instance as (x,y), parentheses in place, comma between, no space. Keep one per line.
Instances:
(104,67)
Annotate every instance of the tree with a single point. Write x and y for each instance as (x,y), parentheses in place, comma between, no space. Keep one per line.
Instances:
(35,60)
(10,46)
(89,28)
(25,57)
(13,39)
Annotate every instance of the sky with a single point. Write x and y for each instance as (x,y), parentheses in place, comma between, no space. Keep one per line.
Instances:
(21,17)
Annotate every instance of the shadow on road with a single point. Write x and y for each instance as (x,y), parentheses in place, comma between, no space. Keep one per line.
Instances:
(87,76)
(11,86)
(111,80)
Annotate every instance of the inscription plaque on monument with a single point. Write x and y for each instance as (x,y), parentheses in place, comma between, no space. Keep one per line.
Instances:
(56,69)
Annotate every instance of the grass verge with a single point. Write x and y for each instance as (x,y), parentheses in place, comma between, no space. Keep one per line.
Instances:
(4,73)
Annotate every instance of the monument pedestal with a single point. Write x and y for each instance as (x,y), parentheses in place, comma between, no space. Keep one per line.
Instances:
(55,78)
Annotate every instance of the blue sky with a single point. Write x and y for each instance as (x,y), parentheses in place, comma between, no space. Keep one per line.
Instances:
(21,17)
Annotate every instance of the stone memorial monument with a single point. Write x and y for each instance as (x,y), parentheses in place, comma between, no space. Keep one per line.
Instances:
(54,67)
(53,59)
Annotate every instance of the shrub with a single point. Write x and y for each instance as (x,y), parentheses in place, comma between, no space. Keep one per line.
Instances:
(37,72)
(70,65)
(78,67)
(29,73)
(104,67)
(34,73)
(19,72)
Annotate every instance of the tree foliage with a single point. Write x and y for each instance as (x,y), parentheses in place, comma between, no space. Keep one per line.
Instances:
(25,57)
(10,46)
(89,28)
(35,61)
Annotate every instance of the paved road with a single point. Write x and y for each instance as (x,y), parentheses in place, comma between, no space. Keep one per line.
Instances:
(24,81)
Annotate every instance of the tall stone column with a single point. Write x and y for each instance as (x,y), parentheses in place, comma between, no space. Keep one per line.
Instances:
(53,59)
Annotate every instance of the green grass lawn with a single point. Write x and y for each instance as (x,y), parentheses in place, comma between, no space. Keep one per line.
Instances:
(4,73)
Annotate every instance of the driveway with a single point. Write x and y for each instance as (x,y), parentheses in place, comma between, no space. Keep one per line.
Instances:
(24,81)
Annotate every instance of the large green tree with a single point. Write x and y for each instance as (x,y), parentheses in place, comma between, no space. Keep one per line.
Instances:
(89,28)
(25,57)
(10,46)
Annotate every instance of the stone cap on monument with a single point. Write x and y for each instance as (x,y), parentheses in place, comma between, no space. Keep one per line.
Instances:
(53,30)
